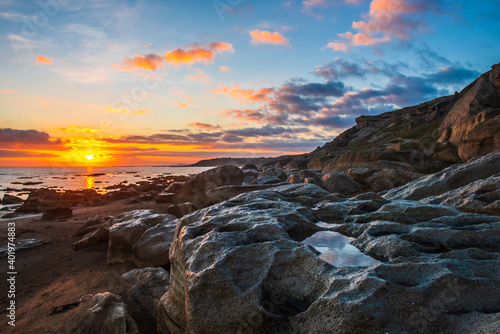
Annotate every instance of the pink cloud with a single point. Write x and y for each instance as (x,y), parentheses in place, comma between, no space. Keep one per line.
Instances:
(386,20)
(224,69)
(267,37)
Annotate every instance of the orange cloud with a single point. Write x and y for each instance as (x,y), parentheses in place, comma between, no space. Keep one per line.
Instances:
(224,69)
(267,37)
(125,111)
(8,91)
(43,60)
(198,54)
(182,105)
(245,95)
(205,126)
(149,62)
(76,128)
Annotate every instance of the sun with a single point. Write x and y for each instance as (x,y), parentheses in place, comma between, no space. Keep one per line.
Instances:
(89,156)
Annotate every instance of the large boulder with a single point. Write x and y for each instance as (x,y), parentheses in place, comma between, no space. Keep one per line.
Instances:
(195,188)
(451,178)
(128,240)
(241,266)
(340,183)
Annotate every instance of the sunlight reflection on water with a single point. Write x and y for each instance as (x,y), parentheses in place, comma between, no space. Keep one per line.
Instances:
(336,250)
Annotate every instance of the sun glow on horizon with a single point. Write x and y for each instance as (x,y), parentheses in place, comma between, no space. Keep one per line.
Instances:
(89,156)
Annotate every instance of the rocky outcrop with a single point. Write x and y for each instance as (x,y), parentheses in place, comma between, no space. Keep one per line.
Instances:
(429,137)
(196,187)
(482,196)
(241,266)
(451,178)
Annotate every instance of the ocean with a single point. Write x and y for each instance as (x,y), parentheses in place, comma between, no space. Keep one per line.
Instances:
(18,181)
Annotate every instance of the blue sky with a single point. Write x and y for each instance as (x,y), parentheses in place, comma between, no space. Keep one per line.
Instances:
(149,82)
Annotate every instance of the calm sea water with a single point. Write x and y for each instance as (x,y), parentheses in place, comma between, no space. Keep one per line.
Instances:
(75,178)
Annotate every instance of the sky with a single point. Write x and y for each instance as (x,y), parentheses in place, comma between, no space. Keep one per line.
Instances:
(120,83)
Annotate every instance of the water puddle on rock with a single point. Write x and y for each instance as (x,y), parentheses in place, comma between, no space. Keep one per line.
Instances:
(336,250)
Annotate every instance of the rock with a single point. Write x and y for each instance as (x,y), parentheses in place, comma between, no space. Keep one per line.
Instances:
(221,194)
(165,198)
(127,230)
(274,172)
(180,210)
(294,179)
(250,174)
(20,245)
(263,180)
(480,135)
(104,313)
(249,167)
(476,197)
(144,288)
(340,183)
(451,178)
(9,199)
(475,98)
(240,266)
(151,250)
(174,187)
(95,238)
(253,230)
(195,188)
(57,213)
(93,224)
(311,175)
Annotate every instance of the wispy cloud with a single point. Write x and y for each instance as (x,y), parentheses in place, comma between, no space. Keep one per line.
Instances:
(126,111)
(8,91)
(205,126)
(76,128)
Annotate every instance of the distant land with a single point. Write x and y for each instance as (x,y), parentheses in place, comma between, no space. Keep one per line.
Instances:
(234,161)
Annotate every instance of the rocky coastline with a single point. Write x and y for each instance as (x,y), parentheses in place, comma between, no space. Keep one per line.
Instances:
(249,249)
